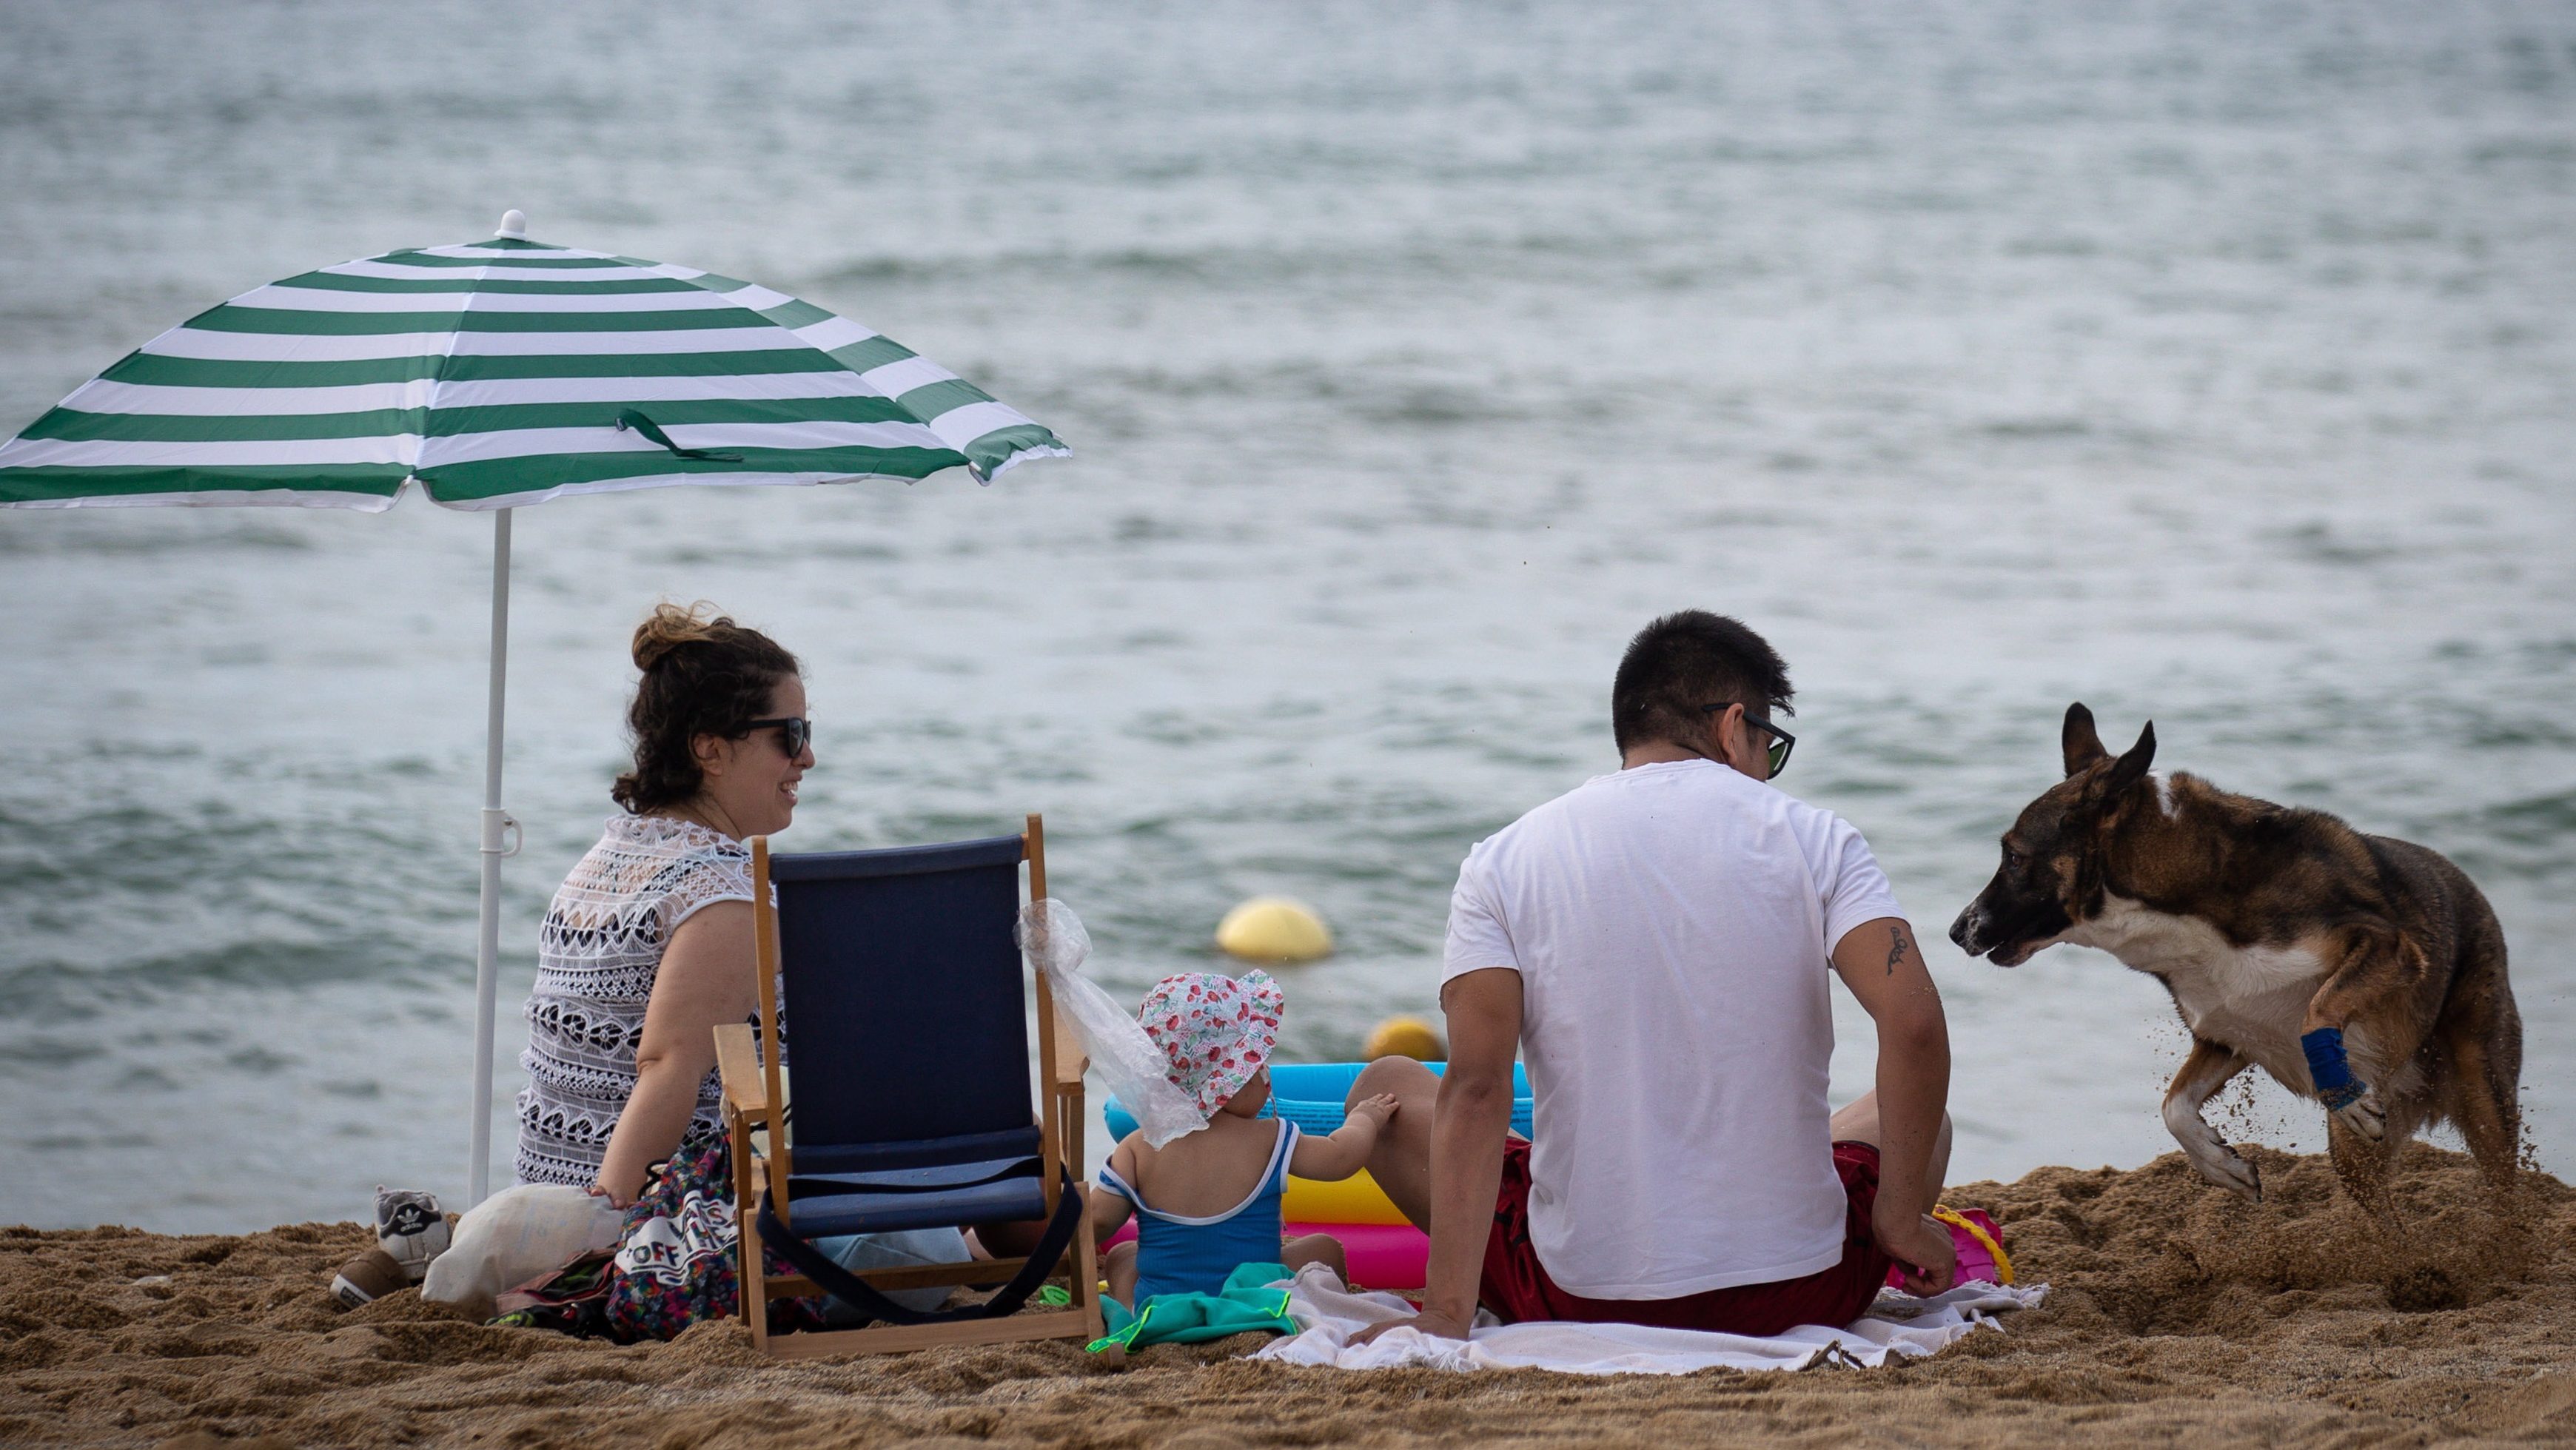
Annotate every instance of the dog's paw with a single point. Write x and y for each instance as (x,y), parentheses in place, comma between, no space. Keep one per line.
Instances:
(2364,1115)
(2220,1165)
(2235,1175)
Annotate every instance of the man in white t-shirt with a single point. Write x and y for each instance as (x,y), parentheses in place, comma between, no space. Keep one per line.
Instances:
(1656,943)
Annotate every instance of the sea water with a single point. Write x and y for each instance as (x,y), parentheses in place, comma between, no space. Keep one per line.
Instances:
(2210,364)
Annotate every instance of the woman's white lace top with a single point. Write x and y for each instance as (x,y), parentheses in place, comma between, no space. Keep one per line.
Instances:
(597,955)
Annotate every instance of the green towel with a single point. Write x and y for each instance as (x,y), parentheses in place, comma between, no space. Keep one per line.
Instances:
(1241,1306)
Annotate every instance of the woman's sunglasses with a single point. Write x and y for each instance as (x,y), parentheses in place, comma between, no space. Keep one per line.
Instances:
(1782,742)
(795,731)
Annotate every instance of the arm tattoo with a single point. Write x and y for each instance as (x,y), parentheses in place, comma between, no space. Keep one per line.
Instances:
(1896,945)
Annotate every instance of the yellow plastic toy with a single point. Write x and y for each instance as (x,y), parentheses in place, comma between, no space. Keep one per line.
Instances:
(1274,929)
(1405,1037)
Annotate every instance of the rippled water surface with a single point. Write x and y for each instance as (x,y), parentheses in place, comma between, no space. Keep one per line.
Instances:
(2212,364)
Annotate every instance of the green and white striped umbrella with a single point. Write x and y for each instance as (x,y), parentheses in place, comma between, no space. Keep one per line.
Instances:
(503,373)
(498,374)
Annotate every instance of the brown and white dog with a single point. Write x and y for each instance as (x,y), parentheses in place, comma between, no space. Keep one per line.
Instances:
(2267,924)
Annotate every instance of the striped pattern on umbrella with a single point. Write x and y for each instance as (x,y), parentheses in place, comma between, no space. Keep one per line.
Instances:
(496,374)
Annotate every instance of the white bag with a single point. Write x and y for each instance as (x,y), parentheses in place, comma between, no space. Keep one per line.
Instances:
(515,1235)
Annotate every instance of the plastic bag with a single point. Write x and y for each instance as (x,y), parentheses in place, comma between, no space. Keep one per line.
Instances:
(1053,939)
(516,1235)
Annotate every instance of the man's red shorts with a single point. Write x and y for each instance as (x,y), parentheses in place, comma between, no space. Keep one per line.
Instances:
(1516,1286)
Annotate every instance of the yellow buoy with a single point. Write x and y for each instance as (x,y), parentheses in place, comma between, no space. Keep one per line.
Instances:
(1274,929)
(1405,1037)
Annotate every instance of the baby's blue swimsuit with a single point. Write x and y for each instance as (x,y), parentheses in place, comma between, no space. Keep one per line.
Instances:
(1176,1255)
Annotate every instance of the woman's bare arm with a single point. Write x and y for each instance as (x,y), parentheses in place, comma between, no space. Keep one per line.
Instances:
(707,977)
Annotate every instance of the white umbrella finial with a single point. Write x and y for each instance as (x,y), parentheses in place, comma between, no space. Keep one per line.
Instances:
(514,225)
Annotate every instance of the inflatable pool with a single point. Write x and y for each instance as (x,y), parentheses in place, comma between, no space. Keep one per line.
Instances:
(1384,1249)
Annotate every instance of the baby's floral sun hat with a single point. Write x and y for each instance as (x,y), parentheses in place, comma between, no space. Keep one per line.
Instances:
(1215,1032)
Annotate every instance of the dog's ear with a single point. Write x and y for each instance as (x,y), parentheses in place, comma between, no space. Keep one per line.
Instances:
(2083,746)
(2131,767)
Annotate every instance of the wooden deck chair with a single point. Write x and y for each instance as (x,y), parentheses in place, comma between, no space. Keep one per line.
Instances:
(911,1101)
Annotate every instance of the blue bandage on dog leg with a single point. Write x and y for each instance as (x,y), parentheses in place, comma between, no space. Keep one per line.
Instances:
(2328,1068)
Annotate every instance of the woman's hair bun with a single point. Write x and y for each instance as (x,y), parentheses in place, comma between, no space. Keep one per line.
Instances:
(670,626)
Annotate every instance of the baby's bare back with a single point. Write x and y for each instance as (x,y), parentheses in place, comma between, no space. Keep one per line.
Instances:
(1206,1173)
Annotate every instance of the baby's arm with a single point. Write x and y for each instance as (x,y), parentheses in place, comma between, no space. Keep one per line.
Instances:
(1347,1151)
(1105,1210)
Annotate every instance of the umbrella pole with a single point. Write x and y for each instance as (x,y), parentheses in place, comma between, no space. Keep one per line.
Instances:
(500,838)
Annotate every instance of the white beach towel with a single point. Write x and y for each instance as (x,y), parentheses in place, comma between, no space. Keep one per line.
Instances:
(1899,1324)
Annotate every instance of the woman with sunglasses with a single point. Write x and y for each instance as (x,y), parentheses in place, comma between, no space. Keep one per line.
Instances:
(648,944)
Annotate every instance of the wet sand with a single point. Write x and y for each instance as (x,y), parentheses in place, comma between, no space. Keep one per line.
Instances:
(2178,1314)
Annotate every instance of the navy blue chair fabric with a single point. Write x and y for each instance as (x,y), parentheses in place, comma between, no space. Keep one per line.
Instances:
(911,1056)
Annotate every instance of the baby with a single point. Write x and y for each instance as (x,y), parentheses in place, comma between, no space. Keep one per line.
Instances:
(1209,1201)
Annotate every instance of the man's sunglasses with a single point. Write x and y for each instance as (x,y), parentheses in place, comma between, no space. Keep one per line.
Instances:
(794,731)
(1782,742)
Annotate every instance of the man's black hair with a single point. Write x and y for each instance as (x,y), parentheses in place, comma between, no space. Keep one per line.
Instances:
(1685,661)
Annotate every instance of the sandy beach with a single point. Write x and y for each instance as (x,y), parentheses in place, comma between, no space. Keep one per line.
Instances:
(2178,1315)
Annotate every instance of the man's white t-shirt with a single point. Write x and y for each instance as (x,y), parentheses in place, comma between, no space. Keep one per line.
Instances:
(1672,925)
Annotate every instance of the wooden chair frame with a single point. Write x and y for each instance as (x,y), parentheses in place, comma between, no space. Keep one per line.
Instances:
(752,1083)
